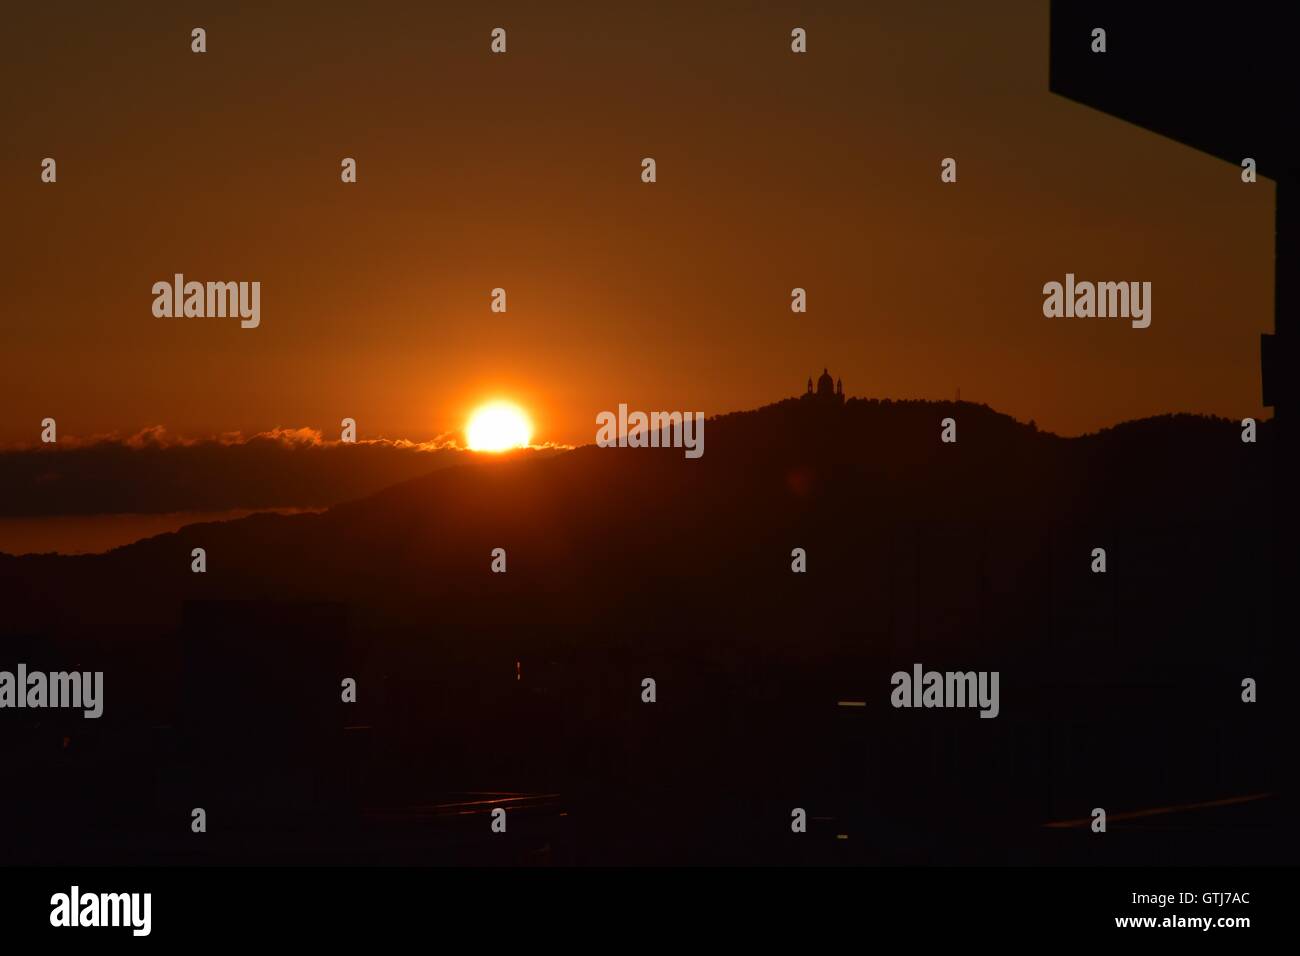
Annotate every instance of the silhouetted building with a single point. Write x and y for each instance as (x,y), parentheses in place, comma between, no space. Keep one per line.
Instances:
(828,390)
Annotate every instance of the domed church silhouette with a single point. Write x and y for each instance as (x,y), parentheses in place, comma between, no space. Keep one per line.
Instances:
(828,390)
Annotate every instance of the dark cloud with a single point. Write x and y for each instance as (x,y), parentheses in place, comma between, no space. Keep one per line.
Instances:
(153,472)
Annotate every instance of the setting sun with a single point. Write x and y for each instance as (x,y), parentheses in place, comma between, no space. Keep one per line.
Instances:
(498,426)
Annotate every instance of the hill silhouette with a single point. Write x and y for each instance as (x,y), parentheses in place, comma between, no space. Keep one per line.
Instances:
(1119,690)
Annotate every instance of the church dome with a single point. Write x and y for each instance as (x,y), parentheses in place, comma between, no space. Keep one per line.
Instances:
(825,384)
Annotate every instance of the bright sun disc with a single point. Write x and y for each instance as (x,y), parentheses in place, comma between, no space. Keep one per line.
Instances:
(497,427)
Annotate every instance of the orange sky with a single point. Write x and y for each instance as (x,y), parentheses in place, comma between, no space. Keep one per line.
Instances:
(522,171)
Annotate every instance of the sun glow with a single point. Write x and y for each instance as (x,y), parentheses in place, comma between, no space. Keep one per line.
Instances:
(498,426)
